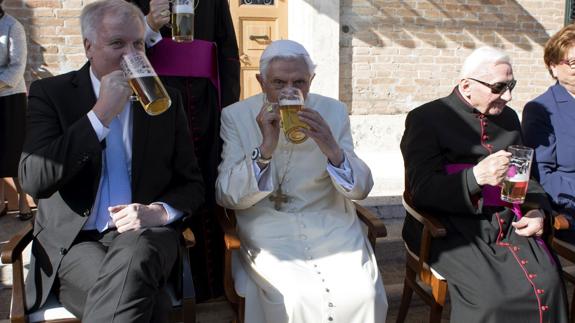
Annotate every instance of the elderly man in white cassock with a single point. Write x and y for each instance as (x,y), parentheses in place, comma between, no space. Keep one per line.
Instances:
(306,256)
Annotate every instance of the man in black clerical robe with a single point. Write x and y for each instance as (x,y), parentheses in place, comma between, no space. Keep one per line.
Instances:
(497,267)
(212,22)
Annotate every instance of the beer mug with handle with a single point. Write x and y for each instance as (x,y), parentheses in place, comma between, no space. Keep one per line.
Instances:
(290,102)
(145,83)
(182,20)
(517,178)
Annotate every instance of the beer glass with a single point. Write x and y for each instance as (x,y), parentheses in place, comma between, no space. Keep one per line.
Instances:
(182,20)
(517,177)
(145,83)
(290,102)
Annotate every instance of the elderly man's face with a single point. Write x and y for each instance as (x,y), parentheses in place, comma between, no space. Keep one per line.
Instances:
(116,36)
(283,73)
(481,96)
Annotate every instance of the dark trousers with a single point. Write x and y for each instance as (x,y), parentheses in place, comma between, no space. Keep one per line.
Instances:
(119,277)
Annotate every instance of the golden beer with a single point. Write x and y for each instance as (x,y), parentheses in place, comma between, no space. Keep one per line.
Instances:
(291,124)
(151,94)
(514,189)
(182,27)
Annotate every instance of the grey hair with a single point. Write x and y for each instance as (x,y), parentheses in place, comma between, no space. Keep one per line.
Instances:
(265,62)
(93,14)
(477,62)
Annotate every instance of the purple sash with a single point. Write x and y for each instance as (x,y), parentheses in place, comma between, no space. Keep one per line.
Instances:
(491,194)
(189,59)
(492,197)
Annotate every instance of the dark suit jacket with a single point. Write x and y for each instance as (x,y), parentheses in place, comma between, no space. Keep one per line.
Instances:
(61,165)
(548,123)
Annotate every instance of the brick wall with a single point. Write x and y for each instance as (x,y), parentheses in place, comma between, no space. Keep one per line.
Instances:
(394,54)
(53,35)
(398,54)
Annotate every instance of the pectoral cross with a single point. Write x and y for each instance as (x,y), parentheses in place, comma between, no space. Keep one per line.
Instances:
(278,198)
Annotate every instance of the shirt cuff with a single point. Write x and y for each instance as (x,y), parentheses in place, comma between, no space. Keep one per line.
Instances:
(262,177)
(151,37)
(342,175)
(99,128)
(173,214)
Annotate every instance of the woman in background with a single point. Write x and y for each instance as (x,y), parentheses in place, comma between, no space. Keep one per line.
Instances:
(548,127)
(12,106)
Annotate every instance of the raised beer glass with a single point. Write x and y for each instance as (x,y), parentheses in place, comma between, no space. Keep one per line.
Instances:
(517,178)
(182,21)
(145,83)
(290,102)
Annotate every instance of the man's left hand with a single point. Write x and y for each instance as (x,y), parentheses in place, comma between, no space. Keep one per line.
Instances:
(530,224)
(137,216)
(320,132)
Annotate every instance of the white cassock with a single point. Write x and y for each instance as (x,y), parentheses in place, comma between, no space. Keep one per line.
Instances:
(311,261)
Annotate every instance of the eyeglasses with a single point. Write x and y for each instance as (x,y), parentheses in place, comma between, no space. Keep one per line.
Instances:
(499,87)
(570,62)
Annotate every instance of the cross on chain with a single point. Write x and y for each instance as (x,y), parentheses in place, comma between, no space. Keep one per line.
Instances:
(278,198)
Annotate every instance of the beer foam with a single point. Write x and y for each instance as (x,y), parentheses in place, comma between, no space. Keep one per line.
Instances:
(519,178)
(184,8)
(284,102)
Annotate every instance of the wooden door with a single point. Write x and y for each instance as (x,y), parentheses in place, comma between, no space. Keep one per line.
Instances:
(257,23)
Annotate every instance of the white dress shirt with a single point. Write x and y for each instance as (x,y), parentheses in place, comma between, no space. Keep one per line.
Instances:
(102,131)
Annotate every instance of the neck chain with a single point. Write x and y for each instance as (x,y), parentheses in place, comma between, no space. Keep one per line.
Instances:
(278,197)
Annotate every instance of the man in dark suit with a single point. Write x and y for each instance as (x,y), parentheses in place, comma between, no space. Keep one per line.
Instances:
(106,248)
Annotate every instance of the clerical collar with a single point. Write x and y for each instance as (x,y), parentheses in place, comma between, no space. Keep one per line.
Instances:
(465,102)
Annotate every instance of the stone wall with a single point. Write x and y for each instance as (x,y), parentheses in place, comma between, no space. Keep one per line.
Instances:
(398,54)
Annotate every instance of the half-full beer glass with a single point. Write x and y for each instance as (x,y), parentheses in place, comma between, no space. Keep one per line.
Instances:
(290,102)
(517,178)
(182,20)
(146,84)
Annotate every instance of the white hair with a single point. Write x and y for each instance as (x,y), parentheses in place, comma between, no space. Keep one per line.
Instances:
(284,50)
(93,14)
(477,63)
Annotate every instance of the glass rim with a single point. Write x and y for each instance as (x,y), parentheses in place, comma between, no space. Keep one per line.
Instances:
(520,147)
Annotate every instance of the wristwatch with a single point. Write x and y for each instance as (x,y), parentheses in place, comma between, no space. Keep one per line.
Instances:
(257,156)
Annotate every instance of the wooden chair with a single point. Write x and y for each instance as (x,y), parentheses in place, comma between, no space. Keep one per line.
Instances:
(375,230)
(183,309)
(566,251)
(417,267)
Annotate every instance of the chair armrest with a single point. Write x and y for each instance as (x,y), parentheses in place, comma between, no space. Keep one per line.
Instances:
(564,249)
(226,218)
(14,248)
(560,222)
(12,254)
(375,226)
(188,237)
(436,228)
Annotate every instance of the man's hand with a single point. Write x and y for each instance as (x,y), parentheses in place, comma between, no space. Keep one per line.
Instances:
(492,169)
(159,14)
(114,94)
(137,216)
(269,122)
(320,132)
(530,224)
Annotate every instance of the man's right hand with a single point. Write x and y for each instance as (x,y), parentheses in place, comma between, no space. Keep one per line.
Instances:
(492,169)
(159,14)
(114,94)
(269,122)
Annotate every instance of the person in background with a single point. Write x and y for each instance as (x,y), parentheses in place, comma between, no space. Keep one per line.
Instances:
(548,127)
(13,53)
(201,99)
(112,182)
(497,268)
(306,256)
